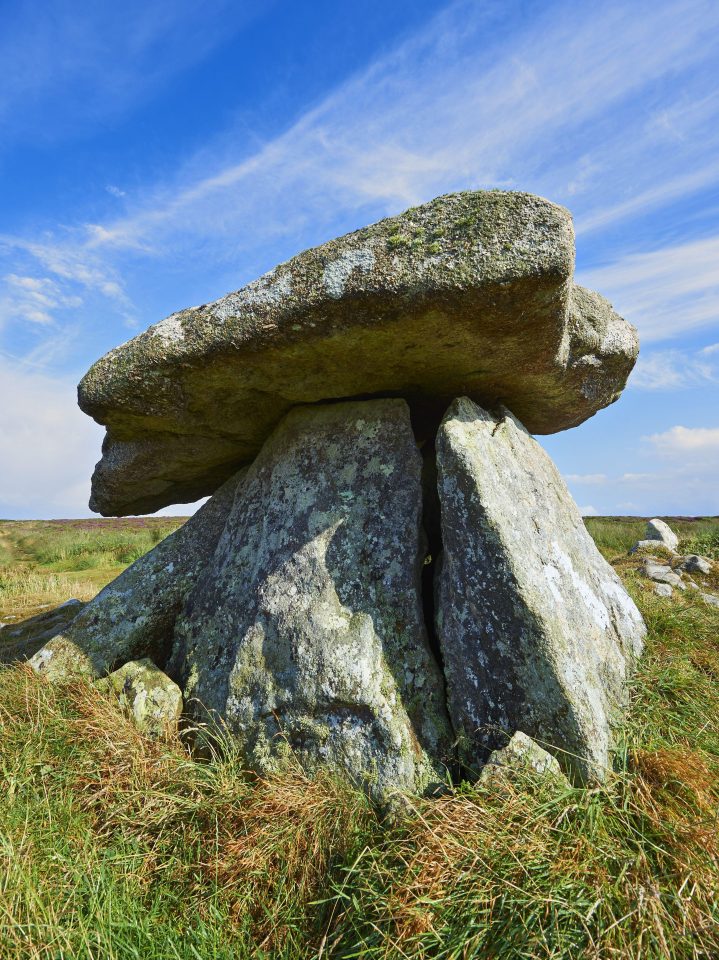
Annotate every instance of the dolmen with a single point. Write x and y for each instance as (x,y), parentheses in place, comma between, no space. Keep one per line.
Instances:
(390,577)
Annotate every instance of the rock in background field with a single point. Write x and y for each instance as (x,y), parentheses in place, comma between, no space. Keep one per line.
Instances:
(536,630)
(306,630)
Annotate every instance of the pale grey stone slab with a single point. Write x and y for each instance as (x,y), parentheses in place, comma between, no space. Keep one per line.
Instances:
(536,630)
(661,531)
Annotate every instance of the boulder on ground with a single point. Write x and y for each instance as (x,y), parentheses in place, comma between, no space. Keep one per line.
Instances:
(696,564)
(521,755)
(536,630)
(661,531)
(710,598)
(306,632)
(153,701)
(661,573)
(654,545)
(663,590)
(469,293)
(134,616)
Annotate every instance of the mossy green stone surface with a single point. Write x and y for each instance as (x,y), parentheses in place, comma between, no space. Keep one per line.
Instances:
(153,700)
(306,630)
(469,294)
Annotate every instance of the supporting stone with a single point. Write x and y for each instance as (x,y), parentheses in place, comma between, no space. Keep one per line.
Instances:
(134,616)
(536,629)
(306,631)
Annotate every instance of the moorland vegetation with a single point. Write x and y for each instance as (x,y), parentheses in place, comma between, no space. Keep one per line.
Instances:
(112,845)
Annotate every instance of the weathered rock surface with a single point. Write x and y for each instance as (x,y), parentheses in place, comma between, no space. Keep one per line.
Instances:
(696,564)
(653,545)
(521,755)
(134,616)
(536,630)
(307,629)
(661,573)
(663,590)
(661,531)
(710,598)
(153,701)
(19,641)
(471,293)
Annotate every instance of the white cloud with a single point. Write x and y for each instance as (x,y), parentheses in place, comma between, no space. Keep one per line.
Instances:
(666,292)
(589,478)
(589,511)
(115,191)
(47,446)
(675,369)
(682,442)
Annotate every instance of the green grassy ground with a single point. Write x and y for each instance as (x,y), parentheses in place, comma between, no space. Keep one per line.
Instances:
(114,847)
(44,562)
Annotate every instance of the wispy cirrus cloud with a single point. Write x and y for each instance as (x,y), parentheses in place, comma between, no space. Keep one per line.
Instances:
(666,292)
(33,299)
(434,115)
(676,369)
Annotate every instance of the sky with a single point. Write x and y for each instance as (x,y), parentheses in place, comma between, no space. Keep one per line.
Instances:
(160,153)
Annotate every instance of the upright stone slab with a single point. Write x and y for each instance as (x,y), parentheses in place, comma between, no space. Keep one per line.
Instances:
(307,630)
(536,630)
(134,616)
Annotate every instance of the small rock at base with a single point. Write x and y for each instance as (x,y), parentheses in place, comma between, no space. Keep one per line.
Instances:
(710,599)
(152,699)
(651,545)
(660,573)
(663,590)
(521,755)
(696,564)
(659,530)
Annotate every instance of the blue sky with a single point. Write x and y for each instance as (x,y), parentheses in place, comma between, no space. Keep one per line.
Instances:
(158,154)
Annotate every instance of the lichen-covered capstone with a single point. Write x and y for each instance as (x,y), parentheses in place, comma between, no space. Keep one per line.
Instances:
(471,293)
(149,696)
(306,631)
(134,616)
(536,630)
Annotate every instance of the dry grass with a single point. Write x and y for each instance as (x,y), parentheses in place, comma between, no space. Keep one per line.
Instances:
(114,846)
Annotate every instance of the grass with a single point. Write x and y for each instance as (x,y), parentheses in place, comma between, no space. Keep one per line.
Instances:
(43,563)
(114,846)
